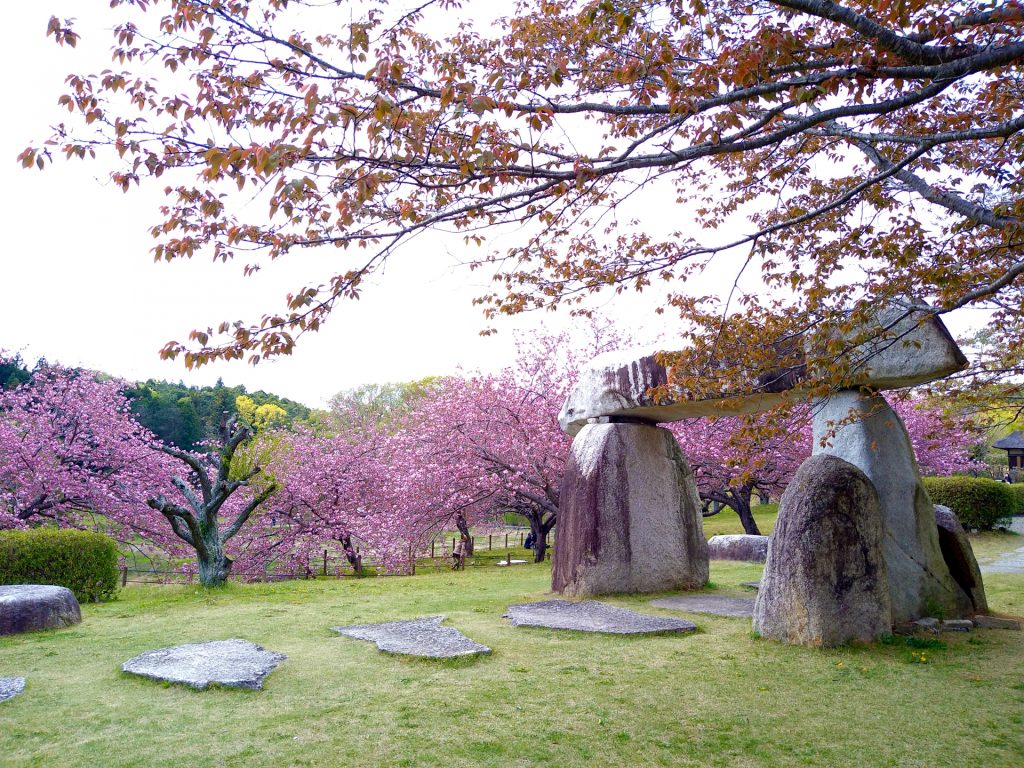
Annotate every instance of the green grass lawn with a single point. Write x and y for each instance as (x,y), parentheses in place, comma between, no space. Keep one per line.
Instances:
(715,698)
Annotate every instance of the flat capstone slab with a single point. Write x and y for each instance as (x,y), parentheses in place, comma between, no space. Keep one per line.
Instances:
(232,663)
(593,616)
(717,605)
(11,687)
(416,637)
(751,584)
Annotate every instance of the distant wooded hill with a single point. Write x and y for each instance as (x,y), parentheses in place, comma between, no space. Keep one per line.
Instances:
(186,416)
(181,415)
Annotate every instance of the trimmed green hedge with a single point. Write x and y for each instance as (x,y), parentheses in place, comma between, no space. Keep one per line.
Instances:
(1018,491)
(83,561)
(979,502)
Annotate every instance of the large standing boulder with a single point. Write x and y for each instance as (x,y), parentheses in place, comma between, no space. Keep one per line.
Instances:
(824,582)
(866,432)
(959,556)
(30,607)
(629,515)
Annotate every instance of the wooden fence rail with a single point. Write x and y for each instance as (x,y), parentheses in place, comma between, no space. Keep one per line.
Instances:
(436,558)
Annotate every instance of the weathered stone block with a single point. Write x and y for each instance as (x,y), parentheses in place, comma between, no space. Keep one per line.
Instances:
(824,582)
(996,622)
(716,605)
(629,518)
(911,348)
(231,663)
(416,637)
(617,384)
(11,687)
(959,556)
(31,607)
(592,616)
(739,546)
(866,432)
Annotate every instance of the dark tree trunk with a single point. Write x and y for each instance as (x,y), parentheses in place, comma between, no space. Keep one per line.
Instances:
(460,523)
(539,528)
(740,501)
(214,565)
(351,554)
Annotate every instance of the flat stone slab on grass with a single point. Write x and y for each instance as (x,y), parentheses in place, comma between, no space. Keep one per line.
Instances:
(416,637)
(11,687)
(592,616)
(717,605)
(31,607)
(511,562)
(232,663)
(751,584)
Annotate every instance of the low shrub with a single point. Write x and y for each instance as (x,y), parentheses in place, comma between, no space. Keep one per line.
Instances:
(979,502)
(83,561)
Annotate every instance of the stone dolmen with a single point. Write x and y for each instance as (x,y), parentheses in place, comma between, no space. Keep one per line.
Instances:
(630,520)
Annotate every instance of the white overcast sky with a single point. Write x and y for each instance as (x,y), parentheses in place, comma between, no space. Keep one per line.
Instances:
(78,284)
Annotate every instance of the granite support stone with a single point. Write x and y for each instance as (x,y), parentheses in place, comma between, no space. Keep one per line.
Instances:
(629,517)
(824,582)
(959,556)
(866,432)
(32,607)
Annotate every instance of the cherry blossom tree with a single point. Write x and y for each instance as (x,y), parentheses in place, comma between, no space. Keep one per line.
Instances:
(490,444)
(735,457)
(71,453)
(355,491)
(213,488)
(943,444)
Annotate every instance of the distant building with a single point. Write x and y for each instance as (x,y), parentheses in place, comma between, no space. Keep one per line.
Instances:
(1013,444)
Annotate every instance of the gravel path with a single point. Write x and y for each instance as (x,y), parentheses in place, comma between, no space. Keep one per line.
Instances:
(1011,562)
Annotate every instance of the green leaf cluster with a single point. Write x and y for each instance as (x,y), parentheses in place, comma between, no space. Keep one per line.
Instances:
(83,561)
(978,502)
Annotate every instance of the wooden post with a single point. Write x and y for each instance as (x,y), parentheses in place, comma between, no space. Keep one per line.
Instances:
(124,576)
(453,543)
(325,562)
(522,539)
(488,541)
(432,549)
(506,541)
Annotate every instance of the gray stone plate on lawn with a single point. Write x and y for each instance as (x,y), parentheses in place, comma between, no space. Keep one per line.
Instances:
(11,687)
(416,637)
(737,607)
(592,616)
(232,663)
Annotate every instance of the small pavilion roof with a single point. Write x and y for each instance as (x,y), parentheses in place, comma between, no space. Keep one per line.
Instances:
(1013,440)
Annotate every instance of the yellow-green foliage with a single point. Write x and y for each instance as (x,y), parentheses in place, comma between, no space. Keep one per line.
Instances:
(83,561)
(979,502)
(260,417)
